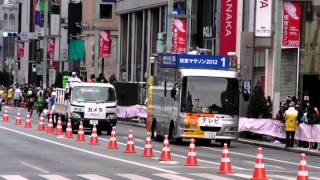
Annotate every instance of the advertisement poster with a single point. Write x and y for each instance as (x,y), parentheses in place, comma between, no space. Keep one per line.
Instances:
(263,18)
(105,44)
(179,37)
(228,27)
(291,24)
(51,45)
(20,49)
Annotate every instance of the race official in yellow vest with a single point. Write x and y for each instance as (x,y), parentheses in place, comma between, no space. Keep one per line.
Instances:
(291,121)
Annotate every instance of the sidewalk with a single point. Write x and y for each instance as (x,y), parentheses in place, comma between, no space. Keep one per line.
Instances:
(279,147)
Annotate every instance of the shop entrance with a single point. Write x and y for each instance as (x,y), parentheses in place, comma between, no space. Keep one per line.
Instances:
(311,88)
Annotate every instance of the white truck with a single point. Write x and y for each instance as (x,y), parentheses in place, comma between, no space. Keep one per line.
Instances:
(92,103)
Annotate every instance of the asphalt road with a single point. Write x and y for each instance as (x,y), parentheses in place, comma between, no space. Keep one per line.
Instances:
(30,154)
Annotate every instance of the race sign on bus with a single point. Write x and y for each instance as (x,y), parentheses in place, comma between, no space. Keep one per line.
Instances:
(203,62)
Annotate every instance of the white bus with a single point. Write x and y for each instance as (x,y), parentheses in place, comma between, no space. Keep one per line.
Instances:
(194,96)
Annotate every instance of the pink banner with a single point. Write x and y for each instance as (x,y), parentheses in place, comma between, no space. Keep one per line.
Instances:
(228,26)
(20,49)
(132,111)
(275,128)
(105,39)
(179,38)
(51,46)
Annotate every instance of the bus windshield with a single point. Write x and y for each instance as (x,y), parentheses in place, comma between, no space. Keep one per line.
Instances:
(93,93)
(210,95)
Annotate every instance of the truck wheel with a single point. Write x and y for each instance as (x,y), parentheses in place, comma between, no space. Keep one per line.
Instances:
(109,130)
(172,136)
(154,133)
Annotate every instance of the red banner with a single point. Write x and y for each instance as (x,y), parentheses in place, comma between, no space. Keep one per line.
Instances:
(51,46)
(228,26)
(291,25)
(105,42)
(20,49)
(179,38)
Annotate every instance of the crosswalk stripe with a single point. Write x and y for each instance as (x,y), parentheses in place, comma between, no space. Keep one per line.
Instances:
(132,176)
(172,176)
(93,177)
(54,177)
(283,177)
(242,175)
(210,176)
(13,177)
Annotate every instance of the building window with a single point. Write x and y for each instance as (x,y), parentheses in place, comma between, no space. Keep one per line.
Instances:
(259,58)
(106,11)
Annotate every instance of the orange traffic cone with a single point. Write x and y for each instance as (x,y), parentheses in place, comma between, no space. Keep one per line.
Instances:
(59,130)
(130,148)
(225,166)
(302,169)
(50,129)
(259,170)
(165,155)
(81,136)
(41,124)
(148,152)
(69,133)
(5,116)
(28,121)
(192,155)
(113,144)
(94,136)
(18,119)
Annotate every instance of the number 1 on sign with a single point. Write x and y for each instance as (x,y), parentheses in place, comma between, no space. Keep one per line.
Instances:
(223,62)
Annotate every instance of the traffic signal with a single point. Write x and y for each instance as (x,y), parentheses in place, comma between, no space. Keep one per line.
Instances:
(9,34)
(34,68)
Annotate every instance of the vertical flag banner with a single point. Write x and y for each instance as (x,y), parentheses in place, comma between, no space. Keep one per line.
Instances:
(291,24)
(105,42)
(263,18)
(51,46)
(228,26)
(20,49)
(179,37)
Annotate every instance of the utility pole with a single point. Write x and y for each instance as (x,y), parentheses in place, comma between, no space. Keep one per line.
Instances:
(96,39)
(277,57)
(169,25)
(45,44)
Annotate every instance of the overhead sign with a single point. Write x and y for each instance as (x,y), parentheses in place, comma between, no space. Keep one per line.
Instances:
(291,24)
(28,35)
(202,62)
(228,27)
(263,18)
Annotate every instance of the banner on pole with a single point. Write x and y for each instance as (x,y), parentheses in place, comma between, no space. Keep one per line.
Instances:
(105,44)
(291,24)
(179,37)
(20,49)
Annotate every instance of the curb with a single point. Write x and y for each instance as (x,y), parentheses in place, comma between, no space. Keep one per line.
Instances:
(257,143)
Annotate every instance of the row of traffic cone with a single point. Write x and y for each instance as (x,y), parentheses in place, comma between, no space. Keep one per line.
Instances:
(225,166)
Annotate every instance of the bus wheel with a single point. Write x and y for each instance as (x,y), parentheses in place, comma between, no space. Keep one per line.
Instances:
(154,133)
(228,142)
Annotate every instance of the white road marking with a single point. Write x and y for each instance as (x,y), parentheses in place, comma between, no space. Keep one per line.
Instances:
(282,177)
(133,176)
(269,159)
(210,176)
(90,152)
(175,155)
(135,139)
(93,177)
(198,167)
(266,165)
(54,177)
(314,178)
(168,162)
(35,167)
(172,176)
(241,175)
(13,177)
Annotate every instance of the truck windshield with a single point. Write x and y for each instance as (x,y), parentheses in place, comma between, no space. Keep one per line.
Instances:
(210,95)
(96,94)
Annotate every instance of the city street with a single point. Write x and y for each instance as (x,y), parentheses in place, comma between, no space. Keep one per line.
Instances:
(30,154)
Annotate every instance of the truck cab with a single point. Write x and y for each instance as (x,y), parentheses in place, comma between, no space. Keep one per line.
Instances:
(91,103)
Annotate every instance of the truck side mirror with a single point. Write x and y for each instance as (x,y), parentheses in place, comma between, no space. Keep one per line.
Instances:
(66,96)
